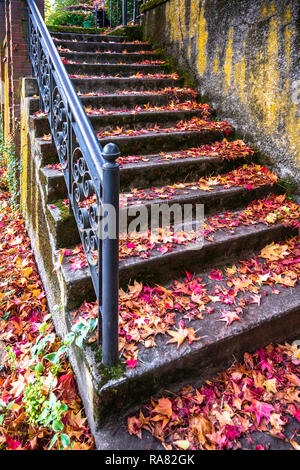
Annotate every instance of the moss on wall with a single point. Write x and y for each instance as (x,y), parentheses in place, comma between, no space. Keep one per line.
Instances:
(244,56)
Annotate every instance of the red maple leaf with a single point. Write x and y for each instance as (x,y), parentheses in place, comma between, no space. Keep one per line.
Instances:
(131,363)
(229,317)
(261,410)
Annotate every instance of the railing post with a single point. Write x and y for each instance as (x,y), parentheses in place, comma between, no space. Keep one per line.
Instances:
(96,19)
(110,258)
(124,13)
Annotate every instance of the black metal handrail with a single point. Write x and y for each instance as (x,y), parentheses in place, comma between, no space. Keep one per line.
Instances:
(91,175)
(113,13)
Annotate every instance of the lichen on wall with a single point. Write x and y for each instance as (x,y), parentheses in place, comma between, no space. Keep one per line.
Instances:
(244,56)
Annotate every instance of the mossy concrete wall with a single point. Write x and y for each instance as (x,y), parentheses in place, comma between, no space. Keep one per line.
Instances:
(244,56)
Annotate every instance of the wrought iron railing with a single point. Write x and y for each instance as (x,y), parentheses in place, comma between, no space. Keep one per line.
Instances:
(112,13)
(91,175)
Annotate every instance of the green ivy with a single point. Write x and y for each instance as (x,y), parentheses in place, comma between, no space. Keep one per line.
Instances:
(9,169)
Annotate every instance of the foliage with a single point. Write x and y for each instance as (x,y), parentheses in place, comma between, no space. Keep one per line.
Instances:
(57,14)
(39,407)
(9,168)
(70,18)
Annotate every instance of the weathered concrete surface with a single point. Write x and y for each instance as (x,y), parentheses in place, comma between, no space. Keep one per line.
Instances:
(245,59)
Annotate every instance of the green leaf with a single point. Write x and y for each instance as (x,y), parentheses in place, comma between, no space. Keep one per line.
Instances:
(79,341)
(57,425)
(54,439)
(10,405)
(69,338)
(39,368)
(52,399)
(65,440)
(184,445)
(93,324)
(51,357)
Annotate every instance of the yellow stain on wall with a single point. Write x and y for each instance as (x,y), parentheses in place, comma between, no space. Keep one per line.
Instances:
(6,100)
(216,62)
(252,76)
(193,25)
(263,85)
(24,155)
(175,21)
(268,9)
(242,75)
(228,61)
(288,33)
(203,36)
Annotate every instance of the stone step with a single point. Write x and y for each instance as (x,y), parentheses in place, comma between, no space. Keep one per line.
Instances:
(125,120)
(114,84)
(85,46)
(107,69)
(162,142)
(68,36)
(142,144)
(65,232)
(160,268)
(111,57)
(166,366)
(117,101)
(145,173)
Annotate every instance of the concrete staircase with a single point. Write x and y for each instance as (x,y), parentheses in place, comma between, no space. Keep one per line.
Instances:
(110,74)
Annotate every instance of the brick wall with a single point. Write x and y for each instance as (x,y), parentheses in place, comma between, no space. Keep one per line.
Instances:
(17,60)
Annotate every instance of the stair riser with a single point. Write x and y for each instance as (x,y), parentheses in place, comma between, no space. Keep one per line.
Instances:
(137,121)
(112,69)
(101,46)
(112,58)
(112,85)
(63,229)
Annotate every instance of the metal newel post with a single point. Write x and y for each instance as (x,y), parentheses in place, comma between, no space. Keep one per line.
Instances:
(110,257)
(96,19)
(134,14)
(124,13)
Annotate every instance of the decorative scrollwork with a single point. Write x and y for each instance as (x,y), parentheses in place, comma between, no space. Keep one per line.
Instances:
(85,204)
(60,128)
(45,79)
(34,48)
(90,172)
